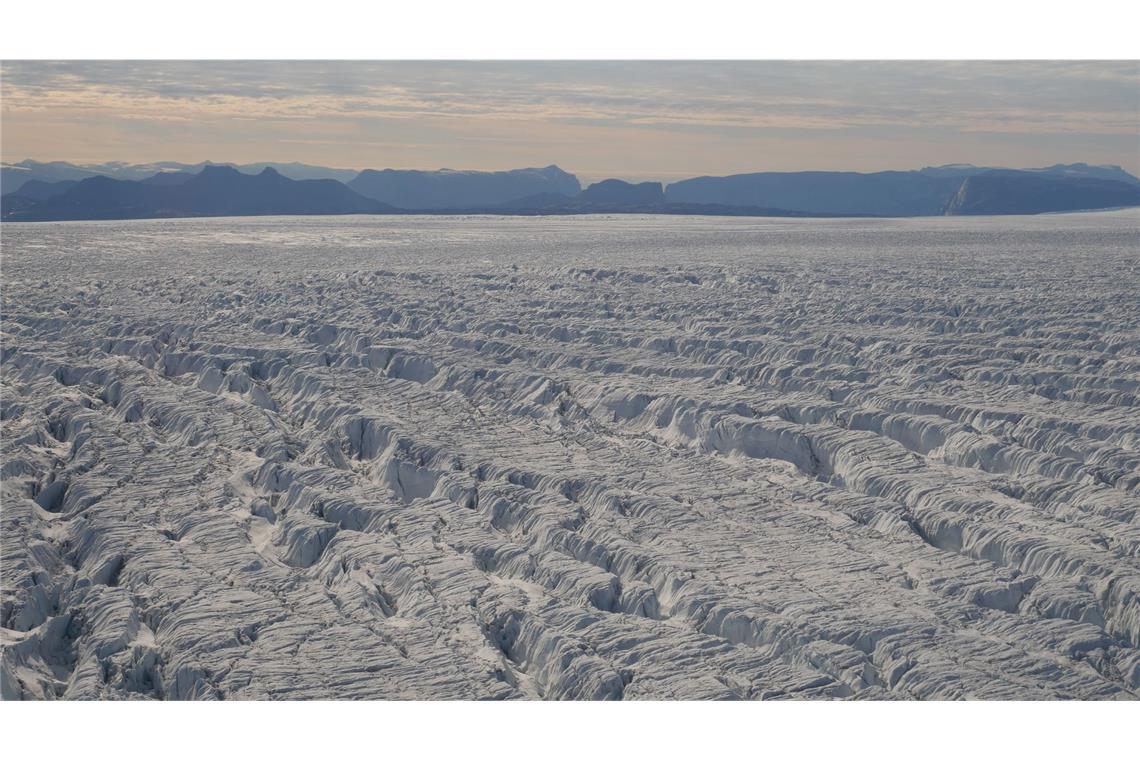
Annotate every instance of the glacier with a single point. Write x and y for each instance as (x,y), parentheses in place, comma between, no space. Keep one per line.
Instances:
(591,458)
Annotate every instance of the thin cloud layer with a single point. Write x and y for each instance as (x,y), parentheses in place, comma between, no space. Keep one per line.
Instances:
(636,119)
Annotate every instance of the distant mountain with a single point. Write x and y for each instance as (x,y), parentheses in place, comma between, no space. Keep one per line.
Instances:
(953,170)
(616,192)
(1011,192)
(295,170)
(13,204)
(39,190)
(215,191)
(448,189)
(1093,172)
(223,190)
(168,179)
(917,193)
(1064,170)
(14,176)
(879,193)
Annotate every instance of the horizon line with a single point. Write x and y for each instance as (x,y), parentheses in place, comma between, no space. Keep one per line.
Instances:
(596,176)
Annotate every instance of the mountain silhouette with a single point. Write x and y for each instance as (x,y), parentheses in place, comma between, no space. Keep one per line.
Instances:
(215,191)
(879,193)
(448,189)
(925,192)
(223,190)
(1001,192)
(618,193)
(13,176)
(168,178)
(41,190)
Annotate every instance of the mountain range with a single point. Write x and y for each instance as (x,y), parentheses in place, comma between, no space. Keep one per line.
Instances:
(926,192)
(63,191)
(14,175)
(449,189)
(214,191)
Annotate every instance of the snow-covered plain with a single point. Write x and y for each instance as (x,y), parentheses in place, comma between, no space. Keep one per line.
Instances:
(586,458)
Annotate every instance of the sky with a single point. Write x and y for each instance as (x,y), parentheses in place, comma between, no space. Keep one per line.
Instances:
(634,120)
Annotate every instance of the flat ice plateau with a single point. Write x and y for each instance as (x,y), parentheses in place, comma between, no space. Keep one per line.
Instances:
(587,458)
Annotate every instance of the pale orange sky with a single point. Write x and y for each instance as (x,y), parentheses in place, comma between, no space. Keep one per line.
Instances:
(637,120)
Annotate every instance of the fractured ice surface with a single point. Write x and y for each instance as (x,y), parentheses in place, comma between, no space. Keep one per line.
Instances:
(572,459)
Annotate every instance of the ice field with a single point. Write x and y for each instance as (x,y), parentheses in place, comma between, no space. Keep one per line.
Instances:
(572,458)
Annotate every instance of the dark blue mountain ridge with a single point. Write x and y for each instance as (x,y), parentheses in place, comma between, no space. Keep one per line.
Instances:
(14,175)
(1013,192)
(1065,170)
(39,190)
(166,178)
(223,190)
(618,192)
(879,193)
(925,192)
(451,189)
(215,191)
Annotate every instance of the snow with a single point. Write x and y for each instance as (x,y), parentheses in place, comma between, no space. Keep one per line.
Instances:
(590,458)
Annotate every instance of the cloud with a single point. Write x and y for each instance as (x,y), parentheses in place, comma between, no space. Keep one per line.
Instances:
(371,101)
